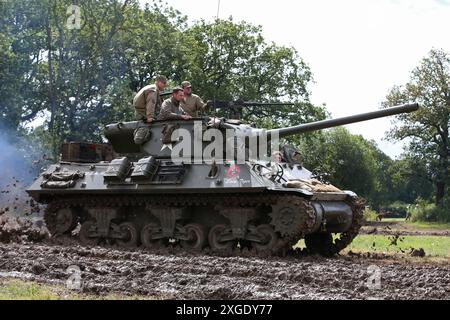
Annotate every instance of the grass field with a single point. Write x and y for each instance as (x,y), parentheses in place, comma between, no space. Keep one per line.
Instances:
(13,289)
(20,290)
(433,245)
(418,225)
(429,225)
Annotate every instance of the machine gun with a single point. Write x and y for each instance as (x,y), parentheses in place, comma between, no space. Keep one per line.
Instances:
(236,107)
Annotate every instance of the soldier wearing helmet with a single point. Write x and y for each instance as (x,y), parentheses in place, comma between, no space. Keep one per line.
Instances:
(147,101)
(170,108)
(192,103)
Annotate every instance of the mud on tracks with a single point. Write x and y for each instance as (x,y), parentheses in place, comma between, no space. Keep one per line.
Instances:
(189,276)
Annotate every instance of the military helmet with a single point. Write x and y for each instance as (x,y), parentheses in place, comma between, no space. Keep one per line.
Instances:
(186,84)
(161,78)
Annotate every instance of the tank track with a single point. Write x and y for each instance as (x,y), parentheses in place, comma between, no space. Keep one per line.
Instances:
(287,239)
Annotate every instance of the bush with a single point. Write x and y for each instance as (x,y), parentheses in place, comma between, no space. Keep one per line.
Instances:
(369,214)
(425,211)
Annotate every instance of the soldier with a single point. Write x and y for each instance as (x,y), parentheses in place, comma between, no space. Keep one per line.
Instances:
(170,108)
(192,103)
(147,103)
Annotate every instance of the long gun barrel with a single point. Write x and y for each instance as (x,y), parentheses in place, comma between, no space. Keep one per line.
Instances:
(266,104)
(318,125)
(219,104)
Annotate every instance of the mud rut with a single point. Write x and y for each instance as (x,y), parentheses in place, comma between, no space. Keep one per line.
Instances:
(189,276)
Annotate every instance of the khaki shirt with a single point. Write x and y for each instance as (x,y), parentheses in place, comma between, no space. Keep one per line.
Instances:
(170,109)
(147,102)
(192,105)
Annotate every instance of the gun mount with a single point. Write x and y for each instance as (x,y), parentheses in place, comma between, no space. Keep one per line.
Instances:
(235,108)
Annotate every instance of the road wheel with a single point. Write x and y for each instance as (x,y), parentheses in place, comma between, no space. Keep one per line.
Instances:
(130,233)
(215,235)
(269,239)
(87,233)
(196,237)
(147,237)
(63,221)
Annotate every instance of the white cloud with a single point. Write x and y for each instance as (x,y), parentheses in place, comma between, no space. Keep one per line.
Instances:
(357,49)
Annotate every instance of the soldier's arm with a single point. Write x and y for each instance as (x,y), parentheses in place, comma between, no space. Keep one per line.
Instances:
(200,105)
(150,104)
(167,113)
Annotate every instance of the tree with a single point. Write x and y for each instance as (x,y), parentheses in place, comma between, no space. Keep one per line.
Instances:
(409,180)
(21,41)
(151,43)
(231,61)
(81,79)
(345,160)
(427,129)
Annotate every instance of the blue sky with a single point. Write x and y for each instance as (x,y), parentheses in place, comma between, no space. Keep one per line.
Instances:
(357,49)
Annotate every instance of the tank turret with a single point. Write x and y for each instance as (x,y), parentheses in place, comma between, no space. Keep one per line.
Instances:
(162,139)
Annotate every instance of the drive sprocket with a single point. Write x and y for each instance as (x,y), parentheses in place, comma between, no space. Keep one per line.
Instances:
(292,217)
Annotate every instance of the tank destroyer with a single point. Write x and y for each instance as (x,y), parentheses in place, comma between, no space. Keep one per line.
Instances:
(204,197)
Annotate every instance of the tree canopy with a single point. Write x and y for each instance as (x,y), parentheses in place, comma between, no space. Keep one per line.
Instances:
(81,79)
(427,129)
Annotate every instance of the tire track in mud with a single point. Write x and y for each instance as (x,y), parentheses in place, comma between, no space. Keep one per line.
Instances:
(190,276)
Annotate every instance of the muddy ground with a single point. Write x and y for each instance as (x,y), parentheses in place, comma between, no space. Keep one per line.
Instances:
(27,253)
(183,276)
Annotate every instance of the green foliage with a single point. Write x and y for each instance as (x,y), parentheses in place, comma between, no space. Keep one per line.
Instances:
(399,205)
(427,129)
(345,160)
(351,162)
(232,60)
(81,79)
(423,210)
(409,180)
(369,214)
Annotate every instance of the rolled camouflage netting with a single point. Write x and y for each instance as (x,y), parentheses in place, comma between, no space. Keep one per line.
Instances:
(312,185)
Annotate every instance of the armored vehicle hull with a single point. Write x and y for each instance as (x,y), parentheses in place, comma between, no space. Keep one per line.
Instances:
(236,208)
